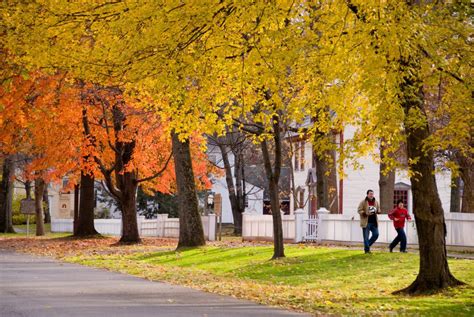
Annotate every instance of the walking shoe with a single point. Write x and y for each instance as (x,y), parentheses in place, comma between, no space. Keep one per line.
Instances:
(367,252)
(391,249)
(404,251)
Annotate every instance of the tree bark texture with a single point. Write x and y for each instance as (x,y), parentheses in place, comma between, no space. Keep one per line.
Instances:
(332,185)
(386,185)
(455,202)
(234,203)
(76,209)
(6,195)
(467,176)
(85,221)
(39,189)
(47,215)
(191,233)
(273,176)
(321,182)
(240,192)
(434,273)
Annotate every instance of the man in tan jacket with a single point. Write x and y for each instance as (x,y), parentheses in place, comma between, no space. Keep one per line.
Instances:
(368,210)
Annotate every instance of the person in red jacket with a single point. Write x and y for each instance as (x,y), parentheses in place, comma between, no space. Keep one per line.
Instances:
(398,215)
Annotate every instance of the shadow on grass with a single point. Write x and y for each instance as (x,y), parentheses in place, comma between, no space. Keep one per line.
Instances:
(205,256)
(85,237)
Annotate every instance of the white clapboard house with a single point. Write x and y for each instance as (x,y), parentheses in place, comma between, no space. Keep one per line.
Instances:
(352,188)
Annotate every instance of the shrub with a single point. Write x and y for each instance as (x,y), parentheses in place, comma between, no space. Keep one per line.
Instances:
(17,217)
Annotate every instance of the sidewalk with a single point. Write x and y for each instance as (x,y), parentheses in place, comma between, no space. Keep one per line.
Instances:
(39,286)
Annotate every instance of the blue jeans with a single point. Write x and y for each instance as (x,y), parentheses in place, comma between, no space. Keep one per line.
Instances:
(371,227)
(402,238)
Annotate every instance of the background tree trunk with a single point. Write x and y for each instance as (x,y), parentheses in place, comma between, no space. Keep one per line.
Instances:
(321,182)
(39,190)
(326,175)
(191,232)
(273,176)
(234,204)
(332,185)
(467,176)
(128,205)
(85,221)
(455,203)
(386,185)
(6,195)
(434,273)
(76,209)
(47,215)
(28,189)
(126,181)
(240,192)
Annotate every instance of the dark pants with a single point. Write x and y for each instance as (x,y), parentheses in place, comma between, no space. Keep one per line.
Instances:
(402,238)
(371,227)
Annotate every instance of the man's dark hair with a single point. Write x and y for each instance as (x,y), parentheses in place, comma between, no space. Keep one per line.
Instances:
(370,190)
(400,201)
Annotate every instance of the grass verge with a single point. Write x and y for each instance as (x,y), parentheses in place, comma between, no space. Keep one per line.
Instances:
(319,280)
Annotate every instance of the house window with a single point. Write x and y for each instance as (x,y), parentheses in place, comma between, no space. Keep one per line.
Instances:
(400,194)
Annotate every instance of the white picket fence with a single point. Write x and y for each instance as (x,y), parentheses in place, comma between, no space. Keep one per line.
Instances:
(260,227)
(343,228)
(161,227)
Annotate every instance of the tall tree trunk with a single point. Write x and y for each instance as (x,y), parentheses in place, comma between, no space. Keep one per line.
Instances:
(240,193)
(47,215)
(434,273)
(231,188)
(39,190)
(125,189)
(467,176)
(6,195)
(76,209)
(332,185)
(455,203)
(273,176)
(386,184)
(326,175)
(128,205)
(85,221)
(191,232)
(28,189)
(321,182)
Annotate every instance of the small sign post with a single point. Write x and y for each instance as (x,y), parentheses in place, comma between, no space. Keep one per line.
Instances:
(27,207)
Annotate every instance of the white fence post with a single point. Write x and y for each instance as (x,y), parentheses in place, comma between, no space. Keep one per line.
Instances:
(139,223)
(161,220)
(211,223)
(245,225)
(322,212)
(299,225)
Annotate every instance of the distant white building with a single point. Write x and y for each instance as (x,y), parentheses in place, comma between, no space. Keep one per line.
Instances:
(61,203)
(357,182)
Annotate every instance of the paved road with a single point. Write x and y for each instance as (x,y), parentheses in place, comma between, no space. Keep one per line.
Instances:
(38,286)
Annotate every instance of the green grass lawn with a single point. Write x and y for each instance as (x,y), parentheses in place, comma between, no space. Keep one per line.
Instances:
(21,231)
(47,228)
(312,279)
